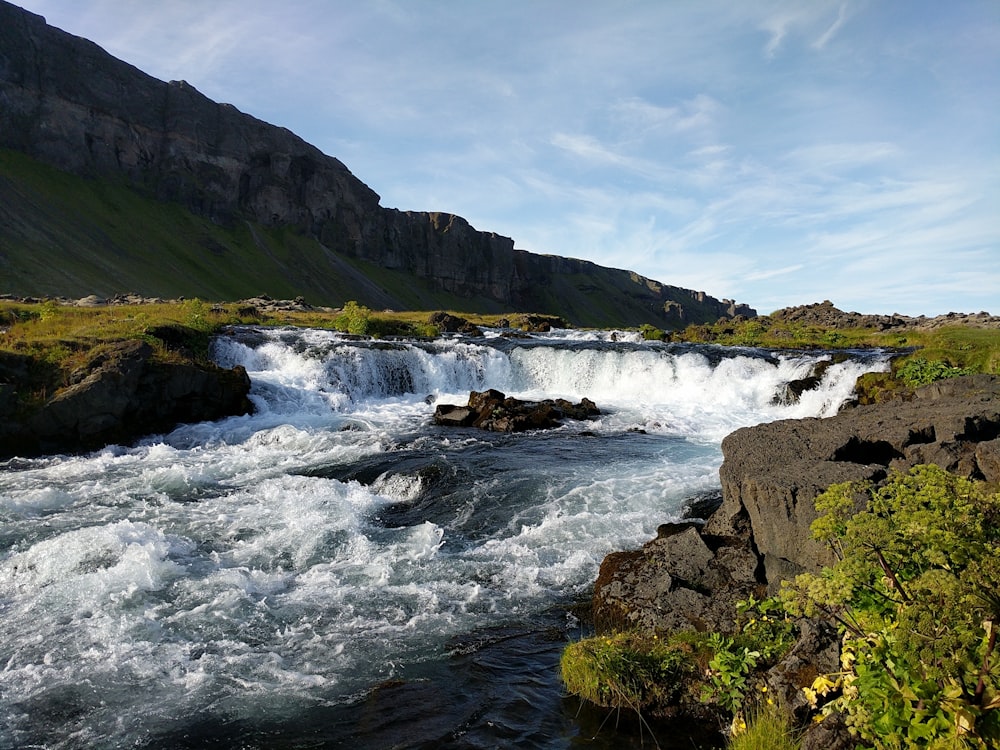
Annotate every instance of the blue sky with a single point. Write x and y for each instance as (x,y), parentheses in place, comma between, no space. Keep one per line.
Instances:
(768,151)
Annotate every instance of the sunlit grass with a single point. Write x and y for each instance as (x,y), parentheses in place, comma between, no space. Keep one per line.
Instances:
(766,727)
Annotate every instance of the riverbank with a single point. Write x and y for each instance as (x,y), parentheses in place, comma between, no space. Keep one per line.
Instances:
(698,577)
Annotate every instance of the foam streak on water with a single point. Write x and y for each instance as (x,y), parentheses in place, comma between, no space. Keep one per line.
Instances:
(262,569)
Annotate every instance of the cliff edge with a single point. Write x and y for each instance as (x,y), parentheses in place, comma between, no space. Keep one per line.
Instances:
(68,104)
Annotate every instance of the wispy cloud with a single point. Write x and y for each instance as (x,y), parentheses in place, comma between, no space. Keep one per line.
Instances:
(833,29)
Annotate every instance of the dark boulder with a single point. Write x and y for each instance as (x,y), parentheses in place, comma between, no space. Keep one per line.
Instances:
(448,323)
(494,411)
(680,580)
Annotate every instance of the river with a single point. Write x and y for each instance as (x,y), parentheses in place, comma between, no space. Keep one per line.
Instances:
(336,571)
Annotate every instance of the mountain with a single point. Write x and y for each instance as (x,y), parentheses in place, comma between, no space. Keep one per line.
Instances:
(113,181)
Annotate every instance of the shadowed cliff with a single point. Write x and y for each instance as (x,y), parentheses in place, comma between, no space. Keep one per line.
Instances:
(111,180)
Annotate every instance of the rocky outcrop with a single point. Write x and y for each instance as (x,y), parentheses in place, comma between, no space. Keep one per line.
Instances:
(118,395)
(492,410)
(693,575)
(681,580)
(826,315)
(448,323)
(67,103)
(771,474)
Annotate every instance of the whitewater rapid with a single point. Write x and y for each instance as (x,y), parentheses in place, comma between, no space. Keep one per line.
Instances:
(237,579)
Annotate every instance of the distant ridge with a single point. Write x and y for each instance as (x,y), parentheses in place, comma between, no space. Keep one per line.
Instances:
(112,181)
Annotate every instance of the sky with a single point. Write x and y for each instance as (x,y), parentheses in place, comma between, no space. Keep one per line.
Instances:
(775,152)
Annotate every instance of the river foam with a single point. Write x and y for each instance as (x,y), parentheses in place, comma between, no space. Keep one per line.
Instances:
(262,571)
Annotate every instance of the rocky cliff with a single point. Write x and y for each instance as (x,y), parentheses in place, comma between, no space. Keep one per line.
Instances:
(67,103)
(691,575)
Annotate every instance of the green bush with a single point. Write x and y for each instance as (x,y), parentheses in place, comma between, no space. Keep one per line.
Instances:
(354,319)
(916,372)
(652,333)
(917,593)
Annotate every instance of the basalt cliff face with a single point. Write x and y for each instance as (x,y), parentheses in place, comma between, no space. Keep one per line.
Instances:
(68,104)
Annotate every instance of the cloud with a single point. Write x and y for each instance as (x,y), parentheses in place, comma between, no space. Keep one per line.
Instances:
(801,19)
(833,29)
(826,156)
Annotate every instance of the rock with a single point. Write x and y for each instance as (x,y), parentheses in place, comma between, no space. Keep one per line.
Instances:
(693,575)
(120,395)
(988,460)
(492,410)
(816,651)
(824,314)
(771,473)
(450,415)
(91,300)
(448,323)
(793,390)
(830,734)
(675,582)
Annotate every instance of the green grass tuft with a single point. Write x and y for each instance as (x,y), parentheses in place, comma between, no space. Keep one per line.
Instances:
(630,670)
(766,727)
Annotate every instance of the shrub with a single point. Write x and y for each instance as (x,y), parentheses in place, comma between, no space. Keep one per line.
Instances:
(917,593)
(916,372)
(354,319)
(652,333)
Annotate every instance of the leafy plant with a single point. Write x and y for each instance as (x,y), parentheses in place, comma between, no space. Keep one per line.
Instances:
(354,319)
(729,671)
(652,333)
(917,593)
(918,371)
(764,626)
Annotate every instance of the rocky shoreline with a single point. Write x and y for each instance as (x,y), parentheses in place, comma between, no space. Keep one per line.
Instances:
(693,574)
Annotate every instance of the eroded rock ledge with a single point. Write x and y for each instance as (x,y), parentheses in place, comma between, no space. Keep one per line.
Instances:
(120,394)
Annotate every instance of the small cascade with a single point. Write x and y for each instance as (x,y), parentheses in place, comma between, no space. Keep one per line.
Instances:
(343,372)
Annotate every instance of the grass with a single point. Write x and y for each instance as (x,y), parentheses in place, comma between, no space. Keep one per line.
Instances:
(766,727)
(631,670)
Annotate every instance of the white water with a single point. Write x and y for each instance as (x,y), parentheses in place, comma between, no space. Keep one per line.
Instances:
(263,565)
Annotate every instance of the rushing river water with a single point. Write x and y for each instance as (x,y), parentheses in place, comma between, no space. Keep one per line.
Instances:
(335,571)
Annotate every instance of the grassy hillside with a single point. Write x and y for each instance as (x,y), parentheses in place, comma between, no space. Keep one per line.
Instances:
(71,236)
(63,235)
